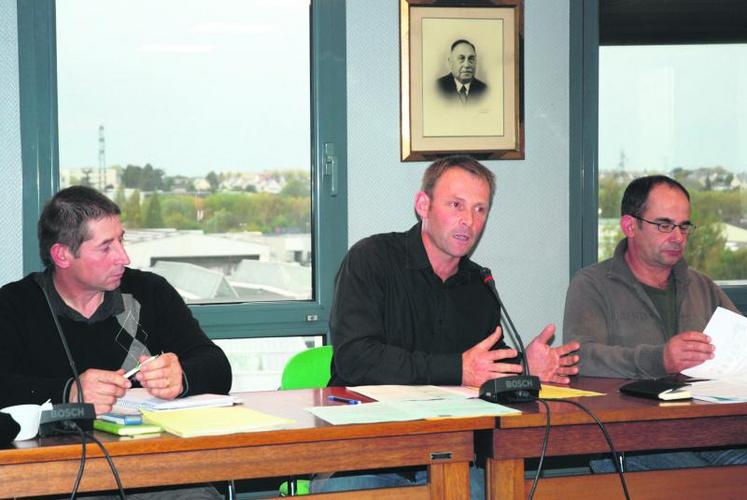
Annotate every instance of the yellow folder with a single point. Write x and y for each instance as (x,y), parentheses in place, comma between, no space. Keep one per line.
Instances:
(213,421)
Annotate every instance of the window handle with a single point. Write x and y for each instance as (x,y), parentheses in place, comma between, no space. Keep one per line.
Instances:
(330,167)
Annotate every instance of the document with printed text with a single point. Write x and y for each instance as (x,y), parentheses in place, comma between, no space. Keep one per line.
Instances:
(728,332)
(727,371)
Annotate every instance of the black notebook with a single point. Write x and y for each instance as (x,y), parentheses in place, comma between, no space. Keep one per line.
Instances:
(657,389)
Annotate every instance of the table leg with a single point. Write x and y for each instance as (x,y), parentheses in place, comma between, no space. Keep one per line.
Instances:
(449,481)
(504,479)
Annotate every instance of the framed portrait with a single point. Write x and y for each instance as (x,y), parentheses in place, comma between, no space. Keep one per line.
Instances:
(461,79)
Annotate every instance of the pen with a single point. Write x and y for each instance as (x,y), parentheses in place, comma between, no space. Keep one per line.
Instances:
(140,365)
(344,400)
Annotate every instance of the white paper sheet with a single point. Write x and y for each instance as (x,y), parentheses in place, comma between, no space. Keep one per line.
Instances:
(720,391)
(406,392)
(728,332)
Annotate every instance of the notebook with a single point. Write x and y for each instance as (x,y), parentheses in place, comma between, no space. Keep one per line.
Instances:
(122,418)
(123,429)
(657,389)
(139,398)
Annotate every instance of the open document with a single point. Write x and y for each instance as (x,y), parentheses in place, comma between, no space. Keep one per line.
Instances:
(401,410)
(397,403)
(727,370)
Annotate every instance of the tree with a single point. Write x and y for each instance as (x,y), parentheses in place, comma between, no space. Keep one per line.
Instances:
(131,211)
(222,221)
(610,196)
(150,179)
(705,244)
(119,197)
(131,176)
(179,211)
(178,221)
(295,187)
(153,216)
(732,265)
(212,178)
(725,206)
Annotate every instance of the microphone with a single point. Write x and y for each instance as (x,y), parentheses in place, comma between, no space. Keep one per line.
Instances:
(513,388)
(69,416)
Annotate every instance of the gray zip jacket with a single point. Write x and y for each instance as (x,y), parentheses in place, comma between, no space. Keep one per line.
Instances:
(621,332)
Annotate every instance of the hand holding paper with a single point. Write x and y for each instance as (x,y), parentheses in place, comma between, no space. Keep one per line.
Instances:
(686,350)
(728,333)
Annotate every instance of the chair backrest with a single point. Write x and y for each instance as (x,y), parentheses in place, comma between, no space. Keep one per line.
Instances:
(309,369)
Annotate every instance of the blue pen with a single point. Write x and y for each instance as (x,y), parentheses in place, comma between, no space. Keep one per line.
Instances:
(344,400)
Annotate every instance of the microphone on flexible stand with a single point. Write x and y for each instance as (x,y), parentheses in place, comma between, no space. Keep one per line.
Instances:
(69,416)
(512,388)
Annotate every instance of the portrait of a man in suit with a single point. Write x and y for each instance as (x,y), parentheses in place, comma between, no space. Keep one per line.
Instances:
(460,84)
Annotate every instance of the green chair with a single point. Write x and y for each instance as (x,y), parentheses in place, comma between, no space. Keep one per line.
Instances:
(309,369)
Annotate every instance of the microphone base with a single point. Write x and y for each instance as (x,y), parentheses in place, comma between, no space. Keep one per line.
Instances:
(64,418)
(513,389)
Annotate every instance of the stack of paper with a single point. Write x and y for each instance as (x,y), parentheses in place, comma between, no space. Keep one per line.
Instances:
(213,421)
(720,391)
(728,368)
(140,399)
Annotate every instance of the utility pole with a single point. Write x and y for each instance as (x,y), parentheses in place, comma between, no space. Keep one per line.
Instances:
(102,160)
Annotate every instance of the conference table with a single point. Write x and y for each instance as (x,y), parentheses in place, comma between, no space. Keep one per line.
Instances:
(49,465)
(634,424)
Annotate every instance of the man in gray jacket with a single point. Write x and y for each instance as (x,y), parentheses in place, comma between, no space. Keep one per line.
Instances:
(641,314)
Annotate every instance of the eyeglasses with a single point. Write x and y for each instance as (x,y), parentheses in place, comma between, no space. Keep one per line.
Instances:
(668,227)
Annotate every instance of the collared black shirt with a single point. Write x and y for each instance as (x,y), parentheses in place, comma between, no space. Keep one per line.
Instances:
(393,320)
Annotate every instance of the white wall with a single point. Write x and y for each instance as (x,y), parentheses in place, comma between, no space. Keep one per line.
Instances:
(526,239)
(11,236)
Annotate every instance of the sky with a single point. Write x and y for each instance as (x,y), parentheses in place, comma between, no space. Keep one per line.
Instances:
(673,106)
(186,85)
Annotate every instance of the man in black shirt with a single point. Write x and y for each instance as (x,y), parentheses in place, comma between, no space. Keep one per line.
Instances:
(411,308)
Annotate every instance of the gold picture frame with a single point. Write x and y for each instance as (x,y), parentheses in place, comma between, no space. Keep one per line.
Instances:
(437,41)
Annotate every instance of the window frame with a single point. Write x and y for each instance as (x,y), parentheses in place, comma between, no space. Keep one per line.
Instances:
(584,111)
(40,159)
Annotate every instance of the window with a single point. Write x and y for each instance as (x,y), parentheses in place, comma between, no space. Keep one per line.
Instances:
(671,100)
(158,101)
(678,110)
(197,124)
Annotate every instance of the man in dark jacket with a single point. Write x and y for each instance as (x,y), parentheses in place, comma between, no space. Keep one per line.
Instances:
(461,84)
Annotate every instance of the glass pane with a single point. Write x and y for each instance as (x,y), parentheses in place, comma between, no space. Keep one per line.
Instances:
(679,110)
(257,364)
(194,116)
